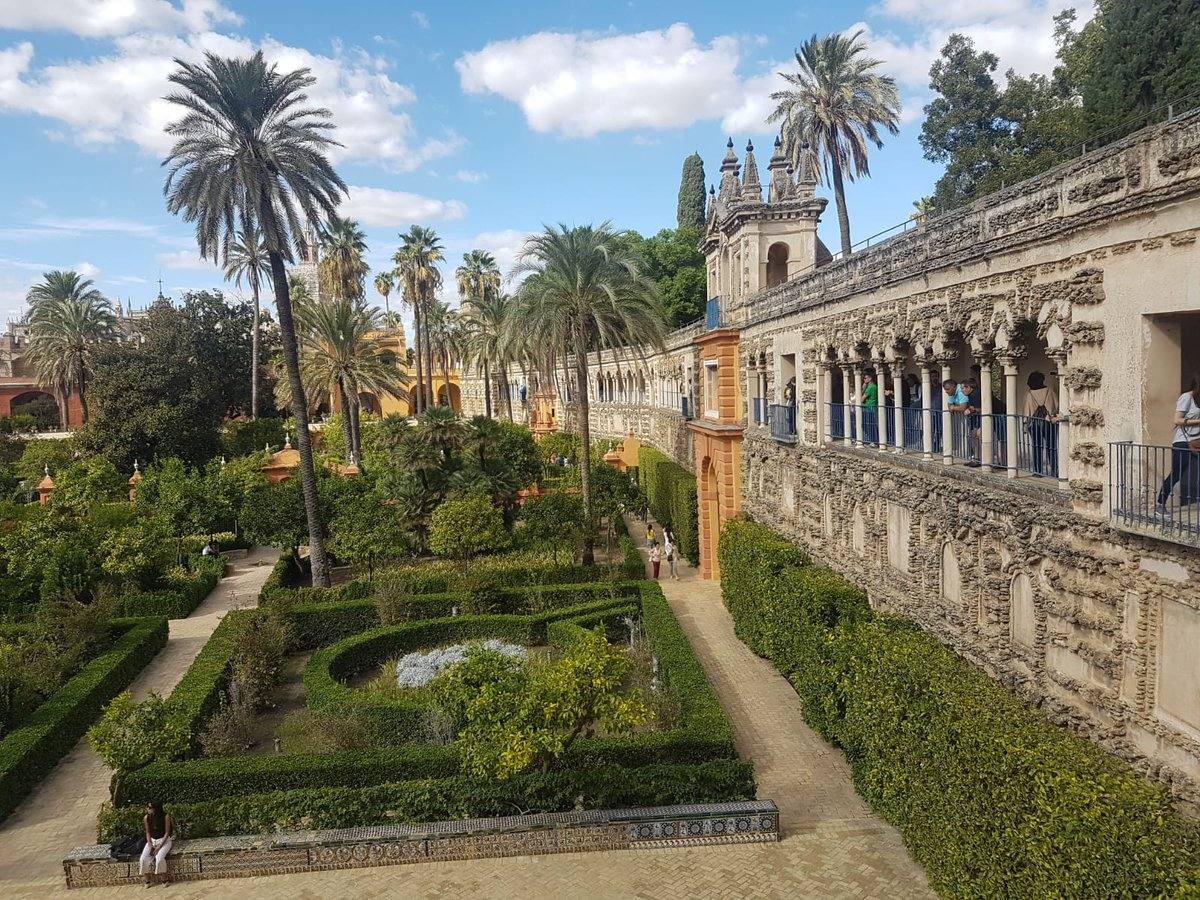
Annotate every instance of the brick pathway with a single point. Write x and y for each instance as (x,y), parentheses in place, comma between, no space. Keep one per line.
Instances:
(60,813)
(833,847)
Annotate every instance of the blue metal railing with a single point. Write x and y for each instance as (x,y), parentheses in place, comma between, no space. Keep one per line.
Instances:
(914,430)
(712,313)
(758,410)
(837,421)
(783,422)
(685,407)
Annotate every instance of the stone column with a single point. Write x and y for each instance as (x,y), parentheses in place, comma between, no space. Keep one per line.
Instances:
(1059,357)
(985,408)
(860,438)
(824,398)
(947,421)
(846,391)
(1010,399)
(751,385)
(926,411)
(898,406)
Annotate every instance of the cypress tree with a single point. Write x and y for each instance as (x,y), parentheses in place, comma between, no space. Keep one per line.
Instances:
(1147,56)
(690,212)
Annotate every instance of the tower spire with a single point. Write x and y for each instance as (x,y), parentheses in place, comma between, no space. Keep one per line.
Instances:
(731,189)
(751,186)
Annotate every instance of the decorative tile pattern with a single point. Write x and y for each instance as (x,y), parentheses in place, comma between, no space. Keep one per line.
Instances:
(354,848)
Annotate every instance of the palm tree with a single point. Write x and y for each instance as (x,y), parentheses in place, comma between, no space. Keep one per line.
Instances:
(249,152)
(342,351)
(416,266)
(834,108)
(342,267)
(585,292)
(384,282)
(246,259)
(478,277)
(484,341)
(67,317)
(445,336)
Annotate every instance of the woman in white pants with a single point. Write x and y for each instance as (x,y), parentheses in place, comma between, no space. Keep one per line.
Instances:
(158,828)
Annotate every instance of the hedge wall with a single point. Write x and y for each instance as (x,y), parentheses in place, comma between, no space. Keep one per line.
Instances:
(48,733)
(704,735)
(989,796)
(670,492)
(455,797)
(178,601)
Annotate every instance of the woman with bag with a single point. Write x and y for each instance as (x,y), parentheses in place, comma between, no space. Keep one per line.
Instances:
(1185,451)
(670,551)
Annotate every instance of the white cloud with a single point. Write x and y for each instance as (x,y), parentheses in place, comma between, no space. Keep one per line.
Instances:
(750,113)
(582,84)
(185,259)
(106,99)
(18,275)
(505,245)
(86,269)
(73,227)
(380,207)
(470,177)
(110,18)
(421,19)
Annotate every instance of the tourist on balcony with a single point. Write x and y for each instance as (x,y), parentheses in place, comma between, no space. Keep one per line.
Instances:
(973,421)
(954,399)
(1185,452)
(1041,423)
(870,404)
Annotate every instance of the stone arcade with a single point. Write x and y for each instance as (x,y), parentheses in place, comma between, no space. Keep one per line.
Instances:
(1032,547)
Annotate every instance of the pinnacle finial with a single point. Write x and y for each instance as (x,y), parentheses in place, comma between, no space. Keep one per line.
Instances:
(730,143)
(46,469)
(749,146)
(777,141)
(712,189)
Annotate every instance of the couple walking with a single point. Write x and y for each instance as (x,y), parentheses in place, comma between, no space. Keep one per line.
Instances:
(666,549)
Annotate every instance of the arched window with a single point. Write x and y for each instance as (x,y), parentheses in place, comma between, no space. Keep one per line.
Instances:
(777,262)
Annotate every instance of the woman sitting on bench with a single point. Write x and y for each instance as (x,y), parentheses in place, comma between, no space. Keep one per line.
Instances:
(158,829)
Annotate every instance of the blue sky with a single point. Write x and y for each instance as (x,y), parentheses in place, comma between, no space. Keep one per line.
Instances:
(481,119)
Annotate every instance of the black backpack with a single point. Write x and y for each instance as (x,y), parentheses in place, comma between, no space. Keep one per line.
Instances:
(128,848)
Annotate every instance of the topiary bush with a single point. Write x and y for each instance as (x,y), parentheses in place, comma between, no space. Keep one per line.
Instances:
(670,492)
(467,527)
(989,796)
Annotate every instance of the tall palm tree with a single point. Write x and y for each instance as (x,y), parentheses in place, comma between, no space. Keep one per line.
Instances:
(342,267)
(485,339)
(446,338)
(249,152)
(585,292)
(384,283)
(246,260)
(478,277)
(417,267)
(67,317)
(342,351)
(834,108)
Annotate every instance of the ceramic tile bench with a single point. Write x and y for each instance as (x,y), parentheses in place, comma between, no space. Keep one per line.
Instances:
(754,821)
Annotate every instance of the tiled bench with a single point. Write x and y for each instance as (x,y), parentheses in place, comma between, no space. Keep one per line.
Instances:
(754,821)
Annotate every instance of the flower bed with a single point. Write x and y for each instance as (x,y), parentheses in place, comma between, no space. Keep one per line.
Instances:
(415,670)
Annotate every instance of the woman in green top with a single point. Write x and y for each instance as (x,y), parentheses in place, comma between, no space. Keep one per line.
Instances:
(870,402)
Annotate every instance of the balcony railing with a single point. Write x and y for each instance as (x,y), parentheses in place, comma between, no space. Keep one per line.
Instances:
(685,407)
(712,313)
(1036,439)
(1156,490)
(758,410)
(783,422)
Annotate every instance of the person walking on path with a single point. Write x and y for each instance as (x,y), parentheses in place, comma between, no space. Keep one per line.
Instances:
(159,839)
(649,534)
(655,558)
(669,551)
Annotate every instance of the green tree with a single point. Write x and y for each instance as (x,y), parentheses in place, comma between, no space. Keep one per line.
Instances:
(249,151)
(131,735)
(835,105)
(673,260)
(246,260)
(67,319)
(446,339)
(554,521)
(178,501)
(486,345)
(584,292)
(467,527)
(343,267)
(384,283)
(417,269)
(689,213)
(515,715)
(1146,53)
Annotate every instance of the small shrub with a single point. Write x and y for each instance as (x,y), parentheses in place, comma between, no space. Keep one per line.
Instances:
(393,599)
(131,734)
(480,594)
(258,655)
(229,730)
(467,527)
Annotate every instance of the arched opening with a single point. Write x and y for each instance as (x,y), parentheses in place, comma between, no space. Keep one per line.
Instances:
(369,404)
(777,262)
(39,405)
(451,398)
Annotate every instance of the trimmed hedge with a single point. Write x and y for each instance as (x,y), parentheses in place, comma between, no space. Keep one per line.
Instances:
(179,601)
(670,493)
(455,797)
(705,733)
(48,733)
(198,694)
(988,795)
